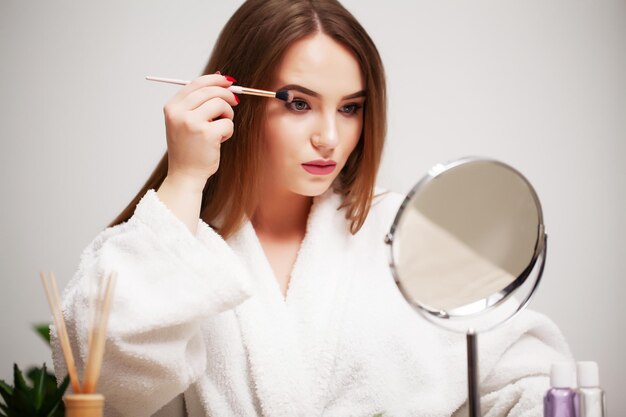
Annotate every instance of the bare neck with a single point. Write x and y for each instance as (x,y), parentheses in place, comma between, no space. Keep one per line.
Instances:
(282,214)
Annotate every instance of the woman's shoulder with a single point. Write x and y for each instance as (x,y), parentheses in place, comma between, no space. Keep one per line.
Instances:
(152,228)
(155,243)
(386,202)
(385,205)
(150,214)
(129,235)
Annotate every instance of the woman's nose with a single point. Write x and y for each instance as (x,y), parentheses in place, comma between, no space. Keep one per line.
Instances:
(328,136)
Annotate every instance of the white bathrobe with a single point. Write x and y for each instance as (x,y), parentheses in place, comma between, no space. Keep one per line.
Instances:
(204,319)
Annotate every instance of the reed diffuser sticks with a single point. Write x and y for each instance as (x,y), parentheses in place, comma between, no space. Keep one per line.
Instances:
(97,333)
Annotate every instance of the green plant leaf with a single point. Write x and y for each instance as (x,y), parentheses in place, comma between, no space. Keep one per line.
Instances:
(41,397)
(43,330)
(51,401)
(7,394)
(38,388)
(5,389)
(23,404)
(56,399)
(54,411)
(44,398)
(50,382)
(18,380)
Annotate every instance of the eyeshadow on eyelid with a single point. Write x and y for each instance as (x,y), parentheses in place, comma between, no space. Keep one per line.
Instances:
(308,92)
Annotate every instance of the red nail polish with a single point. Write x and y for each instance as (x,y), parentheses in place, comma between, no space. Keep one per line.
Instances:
(229,78)
(236,98)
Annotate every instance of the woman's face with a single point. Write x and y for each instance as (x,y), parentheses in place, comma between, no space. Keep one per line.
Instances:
(308,141)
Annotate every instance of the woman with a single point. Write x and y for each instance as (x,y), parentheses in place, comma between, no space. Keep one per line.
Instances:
(279,301)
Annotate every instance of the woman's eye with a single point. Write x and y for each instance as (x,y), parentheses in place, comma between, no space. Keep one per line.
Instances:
(298,105)
(350,108)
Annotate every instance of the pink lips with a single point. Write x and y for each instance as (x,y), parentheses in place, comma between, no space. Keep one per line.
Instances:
(320,167)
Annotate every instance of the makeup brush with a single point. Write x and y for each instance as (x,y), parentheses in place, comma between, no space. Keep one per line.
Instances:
(281,95)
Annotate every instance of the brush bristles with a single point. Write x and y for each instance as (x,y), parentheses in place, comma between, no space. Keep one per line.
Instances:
(285,96)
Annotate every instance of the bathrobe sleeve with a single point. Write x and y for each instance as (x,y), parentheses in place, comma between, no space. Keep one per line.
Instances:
(169,283)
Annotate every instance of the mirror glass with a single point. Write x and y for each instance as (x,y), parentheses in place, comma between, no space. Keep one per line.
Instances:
(466,237)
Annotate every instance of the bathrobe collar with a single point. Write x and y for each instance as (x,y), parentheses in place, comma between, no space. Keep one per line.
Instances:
(292,342)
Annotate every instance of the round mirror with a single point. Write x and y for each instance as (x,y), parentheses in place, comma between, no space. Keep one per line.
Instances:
(464,246)
(467,237)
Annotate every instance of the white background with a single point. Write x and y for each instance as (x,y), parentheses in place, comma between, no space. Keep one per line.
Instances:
(539,84)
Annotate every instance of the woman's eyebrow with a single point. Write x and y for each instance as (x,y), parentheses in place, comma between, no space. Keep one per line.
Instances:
(296,87)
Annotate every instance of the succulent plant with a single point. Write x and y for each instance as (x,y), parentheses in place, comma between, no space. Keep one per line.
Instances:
(41,398)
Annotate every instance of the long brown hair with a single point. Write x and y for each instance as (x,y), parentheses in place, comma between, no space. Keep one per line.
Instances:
(249,48)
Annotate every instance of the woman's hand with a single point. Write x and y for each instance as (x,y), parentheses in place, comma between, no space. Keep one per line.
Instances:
(197,120)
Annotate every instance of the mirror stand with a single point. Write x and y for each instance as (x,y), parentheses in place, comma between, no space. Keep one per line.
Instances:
(471,337)
(473,394)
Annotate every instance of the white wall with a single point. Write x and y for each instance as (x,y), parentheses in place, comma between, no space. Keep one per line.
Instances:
(538,84)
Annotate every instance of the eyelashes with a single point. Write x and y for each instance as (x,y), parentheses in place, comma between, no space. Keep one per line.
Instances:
(353,108)
(298,105)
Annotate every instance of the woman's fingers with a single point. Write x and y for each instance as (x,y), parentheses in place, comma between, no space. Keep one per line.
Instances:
(215,108)
(224,127)
(200,82)
(197,120)
(197,97)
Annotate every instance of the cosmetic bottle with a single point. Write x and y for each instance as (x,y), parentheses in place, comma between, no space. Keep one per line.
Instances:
(561,400)
(590,395)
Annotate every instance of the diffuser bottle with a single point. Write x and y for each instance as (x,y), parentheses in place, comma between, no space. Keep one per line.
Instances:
(84,405)
(590,394)
(561,400)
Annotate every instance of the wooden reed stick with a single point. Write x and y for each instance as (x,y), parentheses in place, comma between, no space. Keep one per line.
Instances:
(98,338)
(95,301)
(96,291)
(57,314)
(92,317)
